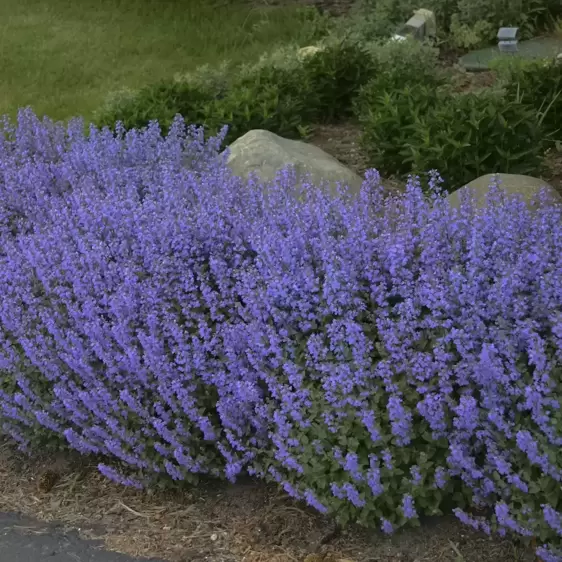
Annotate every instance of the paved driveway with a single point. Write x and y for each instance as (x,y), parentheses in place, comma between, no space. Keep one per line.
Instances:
(25,540)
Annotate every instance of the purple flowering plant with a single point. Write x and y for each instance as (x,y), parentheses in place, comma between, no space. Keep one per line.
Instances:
(379,357)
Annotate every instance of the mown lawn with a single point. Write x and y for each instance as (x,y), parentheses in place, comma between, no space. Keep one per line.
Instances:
(63,56)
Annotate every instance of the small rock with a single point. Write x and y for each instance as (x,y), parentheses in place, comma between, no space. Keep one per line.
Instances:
(422,25)
(47,480)
(308,51)
(314,558)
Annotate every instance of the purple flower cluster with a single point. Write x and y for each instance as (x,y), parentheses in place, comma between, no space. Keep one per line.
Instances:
(363,352)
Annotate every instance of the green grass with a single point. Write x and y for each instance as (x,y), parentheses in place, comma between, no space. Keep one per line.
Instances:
(62,57)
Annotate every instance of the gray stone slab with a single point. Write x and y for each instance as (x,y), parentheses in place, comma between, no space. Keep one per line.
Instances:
(25,540)
(541,47)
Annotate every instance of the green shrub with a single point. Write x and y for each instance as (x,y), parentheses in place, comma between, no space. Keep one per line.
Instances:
(274,99)
(416,129)
(337,74)
(529,15)
(208,78)
(401,63)
(406,77)
(471,134)
(280,93)
(537,84)
(466,36)
(159,101)
(187,94)
(387,118)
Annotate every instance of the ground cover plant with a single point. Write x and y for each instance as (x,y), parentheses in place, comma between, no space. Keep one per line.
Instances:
(379,358)
(62,57)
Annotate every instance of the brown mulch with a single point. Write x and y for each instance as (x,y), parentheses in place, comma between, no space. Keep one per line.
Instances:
(342,142)
(217,522)
(553,172)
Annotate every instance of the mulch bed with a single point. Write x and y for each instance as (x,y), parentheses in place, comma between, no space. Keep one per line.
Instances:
(218,522)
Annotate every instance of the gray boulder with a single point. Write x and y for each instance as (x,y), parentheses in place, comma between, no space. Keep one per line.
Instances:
(512,184)
(266,153)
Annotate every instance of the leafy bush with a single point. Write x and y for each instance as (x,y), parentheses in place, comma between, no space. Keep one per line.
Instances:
(405,81)
(529,15)
(401,63)
(416,128)
(537,84)
(476,22)
(380,358)
(387,118)
(161,101)
(472,134)
(337,73)
(280,93)
(467,36)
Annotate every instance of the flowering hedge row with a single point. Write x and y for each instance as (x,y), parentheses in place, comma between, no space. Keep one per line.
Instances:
(380,358)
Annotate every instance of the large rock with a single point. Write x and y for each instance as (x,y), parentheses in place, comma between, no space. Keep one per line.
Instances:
(266,153)
(512,184)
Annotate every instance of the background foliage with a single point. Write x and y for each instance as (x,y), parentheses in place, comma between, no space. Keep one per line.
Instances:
(461,23)
(281,93)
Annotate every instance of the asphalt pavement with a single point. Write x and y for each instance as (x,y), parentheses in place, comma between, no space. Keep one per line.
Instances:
(26,540)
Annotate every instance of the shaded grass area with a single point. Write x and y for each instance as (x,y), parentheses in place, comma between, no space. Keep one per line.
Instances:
(62,56)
